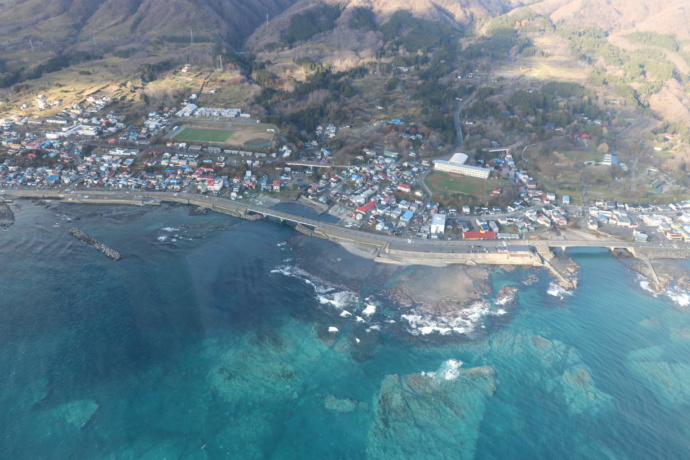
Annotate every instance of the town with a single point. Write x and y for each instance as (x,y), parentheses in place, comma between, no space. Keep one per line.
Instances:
(190,149)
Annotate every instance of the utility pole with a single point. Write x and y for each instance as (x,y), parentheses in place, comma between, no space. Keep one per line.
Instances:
(191,37)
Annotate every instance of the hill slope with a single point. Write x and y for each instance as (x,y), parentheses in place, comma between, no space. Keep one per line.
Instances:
(456,13)
(662,16)
(62,23)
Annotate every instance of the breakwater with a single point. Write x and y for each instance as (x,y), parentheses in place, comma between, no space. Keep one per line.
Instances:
(91,241)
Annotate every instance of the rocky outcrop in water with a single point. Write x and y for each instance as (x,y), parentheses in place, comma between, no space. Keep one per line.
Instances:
(6,215)
(91,241)
(198,211)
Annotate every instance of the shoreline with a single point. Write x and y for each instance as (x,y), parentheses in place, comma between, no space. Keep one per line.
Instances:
(381,248)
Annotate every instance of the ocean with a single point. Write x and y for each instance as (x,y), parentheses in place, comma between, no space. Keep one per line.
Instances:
(210,339)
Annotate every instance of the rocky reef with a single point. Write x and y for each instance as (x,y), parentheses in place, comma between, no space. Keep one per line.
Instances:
(558,367)
(668,380)
(431,415)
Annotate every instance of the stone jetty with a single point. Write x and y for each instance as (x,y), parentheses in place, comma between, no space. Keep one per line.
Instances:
(91,241)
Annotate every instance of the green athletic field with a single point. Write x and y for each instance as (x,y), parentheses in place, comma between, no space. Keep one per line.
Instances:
(441,182)
(216,136)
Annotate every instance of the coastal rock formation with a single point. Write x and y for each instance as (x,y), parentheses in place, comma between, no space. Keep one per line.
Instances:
(506,297)
(439,290)
(198,211)
(437,413)
(6,215)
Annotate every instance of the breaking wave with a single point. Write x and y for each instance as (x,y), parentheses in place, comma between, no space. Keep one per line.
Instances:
(679,297)
(465,322)
(449,370)
(326,294)
(556,291)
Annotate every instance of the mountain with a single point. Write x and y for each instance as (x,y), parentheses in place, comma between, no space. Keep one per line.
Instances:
(662,16)
(645,43)
(60,24)
(455,13)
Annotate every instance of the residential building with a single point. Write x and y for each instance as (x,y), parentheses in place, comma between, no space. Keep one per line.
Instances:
(438,223)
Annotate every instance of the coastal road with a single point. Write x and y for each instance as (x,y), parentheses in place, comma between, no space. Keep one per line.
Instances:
(335,231)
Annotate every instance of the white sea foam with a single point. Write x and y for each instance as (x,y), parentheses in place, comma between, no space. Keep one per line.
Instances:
(332,329)
(345,314)
(464,323)
(359,319)
(325,294)
(357,340)
(375,327)
(284,270)
(339,299)
(506,299)
(162,238)
(369,310)
(679,297)
(449,370)
(556,291)
(645,284)
(170,229)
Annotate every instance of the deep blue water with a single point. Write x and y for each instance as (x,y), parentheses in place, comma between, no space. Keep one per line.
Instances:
(196,346)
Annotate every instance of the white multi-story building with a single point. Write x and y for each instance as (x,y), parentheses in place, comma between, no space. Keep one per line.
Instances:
(438,223)
(456,165)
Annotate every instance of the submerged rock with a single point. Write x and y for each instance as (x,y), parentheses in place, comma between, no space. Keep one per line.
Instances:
(165,448)
(430,415)
(245,436)
(558,368)
(670,381)
(341,405)
(264,378)
(580,393)
(75,413)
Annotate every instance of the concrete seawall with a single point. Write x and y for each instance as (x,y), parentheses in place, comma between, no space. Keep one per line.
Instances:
(465,258)
(375,246)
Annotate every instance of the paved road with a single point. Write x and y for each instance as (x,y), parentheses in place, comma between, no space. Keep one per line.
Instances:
(335,230)
(456,121)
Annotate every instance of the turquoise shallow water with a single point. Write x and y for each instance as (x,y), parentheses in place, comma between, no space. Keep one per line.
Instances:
(196,346)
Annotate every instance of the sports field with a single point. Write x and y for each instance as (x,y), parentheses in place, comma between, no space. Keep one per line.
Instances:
(440,182)
(215,136)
